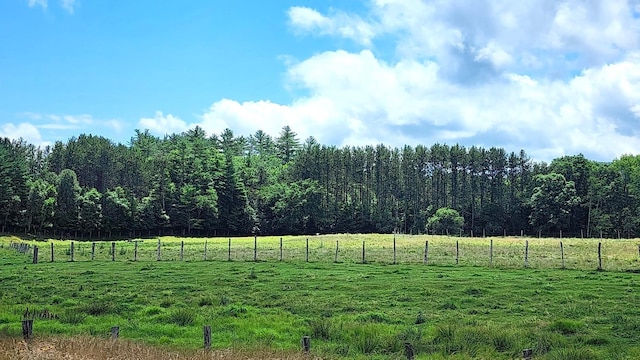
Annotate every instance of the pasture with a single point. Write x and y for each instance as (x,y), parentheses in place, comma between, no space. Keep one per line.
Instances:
(475,308)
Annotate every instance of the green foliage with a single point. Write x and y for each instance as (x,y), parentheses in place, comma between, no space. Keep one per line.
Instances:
(445,221)
(194,183)
(181,317)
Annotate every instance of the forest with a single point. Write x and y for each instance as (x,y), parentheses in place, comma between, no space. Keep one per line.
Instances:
(225,185)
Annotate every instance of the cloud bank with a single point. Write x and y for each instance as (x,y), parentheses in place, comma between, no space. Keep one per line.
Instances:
(551,77)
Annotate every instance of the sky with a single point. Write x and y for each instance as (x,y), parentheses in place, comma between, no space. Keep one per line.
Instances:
(554,78)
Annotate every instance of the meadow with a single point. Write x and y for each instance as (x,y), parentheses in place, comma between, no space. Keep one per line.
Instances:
(475,308)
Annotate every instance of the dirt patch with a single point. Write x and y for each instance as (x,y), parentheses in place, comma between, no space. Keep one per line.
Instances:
(87,348)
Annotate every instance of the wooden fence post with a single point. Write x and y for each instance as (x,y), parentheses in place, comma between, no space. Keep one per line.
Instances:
(207,337)
(158,251)
(182,250)
(205,250)
(458,252)
(307,257)
(93,251)
(335,259)
(135,251)
(306,344)
(72,250)
(27,329)
(426,252)
(115,332)
(562,253)
(52,251)
(600,256)
(113,251)
(255,248)
(526,253)
(229,257)
(408,351)
(364,259)
(560,233)
(280,249)
(35,254)
(394,249)
(491,252)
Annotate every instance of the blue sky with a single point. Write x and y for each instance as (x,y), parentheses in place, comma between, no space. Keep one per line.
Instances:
(551,77)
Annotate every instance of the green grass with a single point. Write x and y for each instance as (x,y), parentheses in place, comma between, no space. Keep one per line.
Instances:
(350,310)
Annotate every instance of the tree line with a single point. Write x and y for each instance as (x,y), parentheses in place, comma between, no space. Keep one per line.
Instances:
(223,184)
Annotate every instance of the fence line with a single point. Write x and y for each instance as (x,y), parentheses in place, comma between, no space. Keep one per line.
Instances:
(580,254)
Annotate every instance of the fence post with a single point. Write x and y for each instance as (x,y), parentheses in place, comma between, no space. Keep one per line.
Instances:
(394,249)
(115,332)
(426,252)
(408,351)
(280,249)
(27,328)
(306,344)
(207,337)
(229,257)
(205,250)
(93,250)
(72,250)
(335,260)
(52,251)
(307,256)
(562,253)
(560,233)
(135,251)
(158,251)
(35,254)
(458,252)
(526,253)
(491,253)
(364,259)
(600,256)
(484,233)
(255,248)
(113,251)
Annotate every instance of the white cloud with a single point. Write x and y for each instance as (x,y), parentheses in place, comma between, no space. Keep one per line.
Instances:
(341,24)
(161,124)
(25,130)
(69,5)
(41,3)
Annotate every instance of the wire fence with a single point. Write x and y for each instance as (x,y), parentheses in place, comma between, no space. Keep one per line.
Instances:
(588,254)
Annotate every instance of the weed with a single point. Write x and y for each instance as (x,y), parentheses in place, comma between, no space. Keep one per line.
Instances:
(571,353)
(225,300)
(205,301)
(98,308)
(252,274)
(321,328)
(566,326)
(181,317)
(72,318)
(166,302)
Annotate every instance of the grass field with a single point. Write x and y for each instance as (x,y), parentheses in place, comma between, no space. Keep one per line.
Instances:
(350,310)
